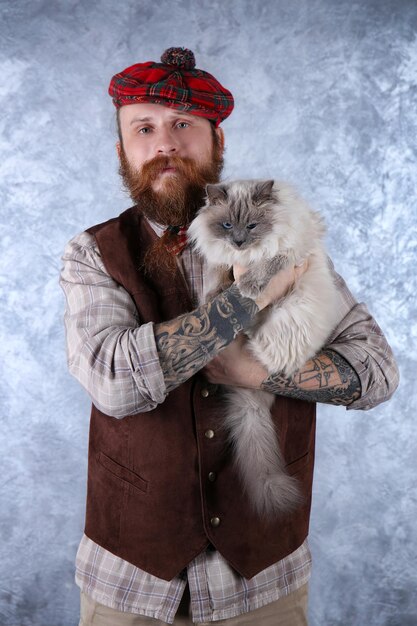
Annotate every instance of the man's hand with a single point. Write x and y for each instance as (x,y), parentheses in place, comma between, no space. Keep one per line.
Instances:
(278,286)
(236,366)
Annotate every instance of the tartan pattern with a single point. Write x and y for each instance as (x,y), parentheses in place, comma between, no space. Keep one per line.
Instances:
(175,239)
(190,90)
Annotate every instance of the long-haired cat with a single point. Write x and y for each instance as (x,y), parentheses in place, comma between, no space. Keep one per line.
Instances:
(265,226)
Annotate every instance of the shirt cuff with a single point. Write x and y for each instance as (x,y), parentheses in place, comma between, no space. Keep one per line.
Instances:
(147,371)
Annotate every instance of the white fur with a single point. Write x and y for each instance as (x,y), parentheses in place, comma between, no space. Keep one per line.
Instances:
(282,338)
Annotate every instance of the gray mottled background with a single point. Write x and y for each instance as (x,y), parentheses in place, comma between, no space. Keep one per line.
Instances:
(325,97)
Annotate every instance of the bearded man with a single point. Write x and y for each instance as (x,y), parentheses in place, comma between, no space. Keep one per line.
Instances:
(170,536)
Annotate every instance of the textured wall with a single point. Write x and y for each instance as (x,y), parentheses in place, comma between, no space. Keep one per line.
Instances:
(326,97)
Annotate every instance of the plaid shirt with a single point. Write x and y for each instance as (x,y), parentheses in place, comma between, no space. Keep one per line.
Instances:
(119,367)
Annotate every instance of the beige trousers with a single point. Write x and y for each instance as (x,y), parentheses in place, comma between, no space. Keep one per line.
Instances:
(288,611)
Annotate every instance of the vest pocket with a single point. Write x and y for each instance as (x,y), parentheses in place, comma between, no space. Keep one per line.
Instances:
(122,472)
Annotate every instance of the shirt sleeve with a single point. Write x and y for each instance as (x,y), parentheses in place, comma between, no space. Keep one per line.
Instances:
(109,351)
(359,339)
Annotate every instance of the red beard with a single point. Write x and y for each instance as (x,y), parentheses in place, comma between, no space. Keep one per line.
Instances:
(177,201)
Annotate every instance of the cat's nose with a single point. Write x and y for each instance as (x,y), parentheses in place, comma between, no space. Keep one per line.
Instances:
(238,243)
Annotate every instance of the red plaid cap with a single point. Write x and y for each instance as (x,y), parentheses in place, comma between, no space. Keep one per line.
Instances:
(176,83)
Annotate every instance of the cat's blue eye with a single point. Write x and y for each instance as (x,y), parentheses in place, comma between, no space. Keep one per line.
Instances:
(251,226)
(227,225)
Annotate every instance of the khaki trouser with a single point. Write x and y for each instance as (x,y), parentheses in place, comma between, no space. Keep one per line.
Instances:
(288,611)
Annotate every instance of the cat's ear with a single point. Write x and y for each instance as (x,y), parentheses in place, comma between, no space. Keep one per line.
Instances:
(216,192)
(263,189)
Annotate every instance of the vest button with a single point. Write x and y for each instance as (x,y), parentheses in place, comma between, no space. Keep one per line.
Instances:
(212,476)
(209,434)
(215,521)
(205,393)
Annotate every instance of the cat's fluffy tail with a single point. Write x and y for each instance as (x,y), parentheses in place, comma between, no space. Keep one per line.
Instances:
(257,454)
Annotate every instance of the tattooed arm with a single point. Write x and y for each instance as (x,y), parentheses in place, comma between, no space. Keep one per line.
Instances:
(126,366)
(186,343)
(327,378)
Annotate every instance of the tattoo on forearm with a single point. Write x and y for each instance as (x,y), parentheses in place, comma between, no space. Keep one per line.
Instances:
(186,343)
(327,378)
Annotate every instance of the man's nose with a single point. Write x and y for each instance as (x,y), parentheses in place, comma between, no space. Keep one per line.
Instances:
(166,143)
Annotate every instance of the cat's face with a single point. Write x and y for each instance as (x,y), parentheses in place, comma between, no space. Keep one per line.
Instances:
(240,216)
(245,221)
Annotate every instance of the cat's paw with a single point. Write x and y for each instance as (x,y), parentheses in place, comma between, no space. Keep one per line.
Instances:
(249,286)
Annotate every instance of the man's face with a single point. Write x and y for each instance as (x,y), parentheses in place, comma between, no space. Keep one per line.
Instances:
(152,130)
(166,159)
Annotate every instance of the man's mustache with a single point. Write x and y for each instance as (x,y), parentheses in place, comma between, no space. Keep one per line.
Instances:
(152,168)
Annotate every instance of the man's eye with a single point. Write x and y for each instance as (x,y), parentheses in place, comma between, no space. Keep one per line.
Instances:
(251,226)
(144,131)
(183,125)
(227,225)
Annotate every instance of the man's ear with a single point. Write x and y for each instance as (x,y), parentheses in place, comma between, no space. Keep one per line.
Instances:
(119,149)
(220,136)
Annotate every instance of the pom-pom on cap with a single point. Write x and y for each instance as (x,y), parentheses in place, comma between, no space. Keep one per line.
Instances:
(175,83)
(181,57)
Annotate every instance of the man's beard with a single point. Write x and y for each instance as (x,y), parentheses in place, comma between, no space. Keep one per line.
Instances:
(176,202)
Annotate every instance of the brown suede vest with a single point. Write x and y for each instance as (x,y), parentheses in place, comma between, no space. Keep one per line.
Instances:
(150,500)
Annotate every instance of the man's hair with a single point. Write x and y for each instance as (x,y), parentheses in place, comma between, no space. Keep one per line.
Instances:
(119,130)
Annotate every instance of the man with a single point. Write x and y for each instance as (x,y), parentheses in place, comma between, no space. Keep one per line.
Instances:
(169,534)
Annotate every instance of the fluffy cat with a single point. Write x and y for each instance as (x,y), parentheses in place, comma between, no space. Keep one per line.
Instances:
(265,226)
